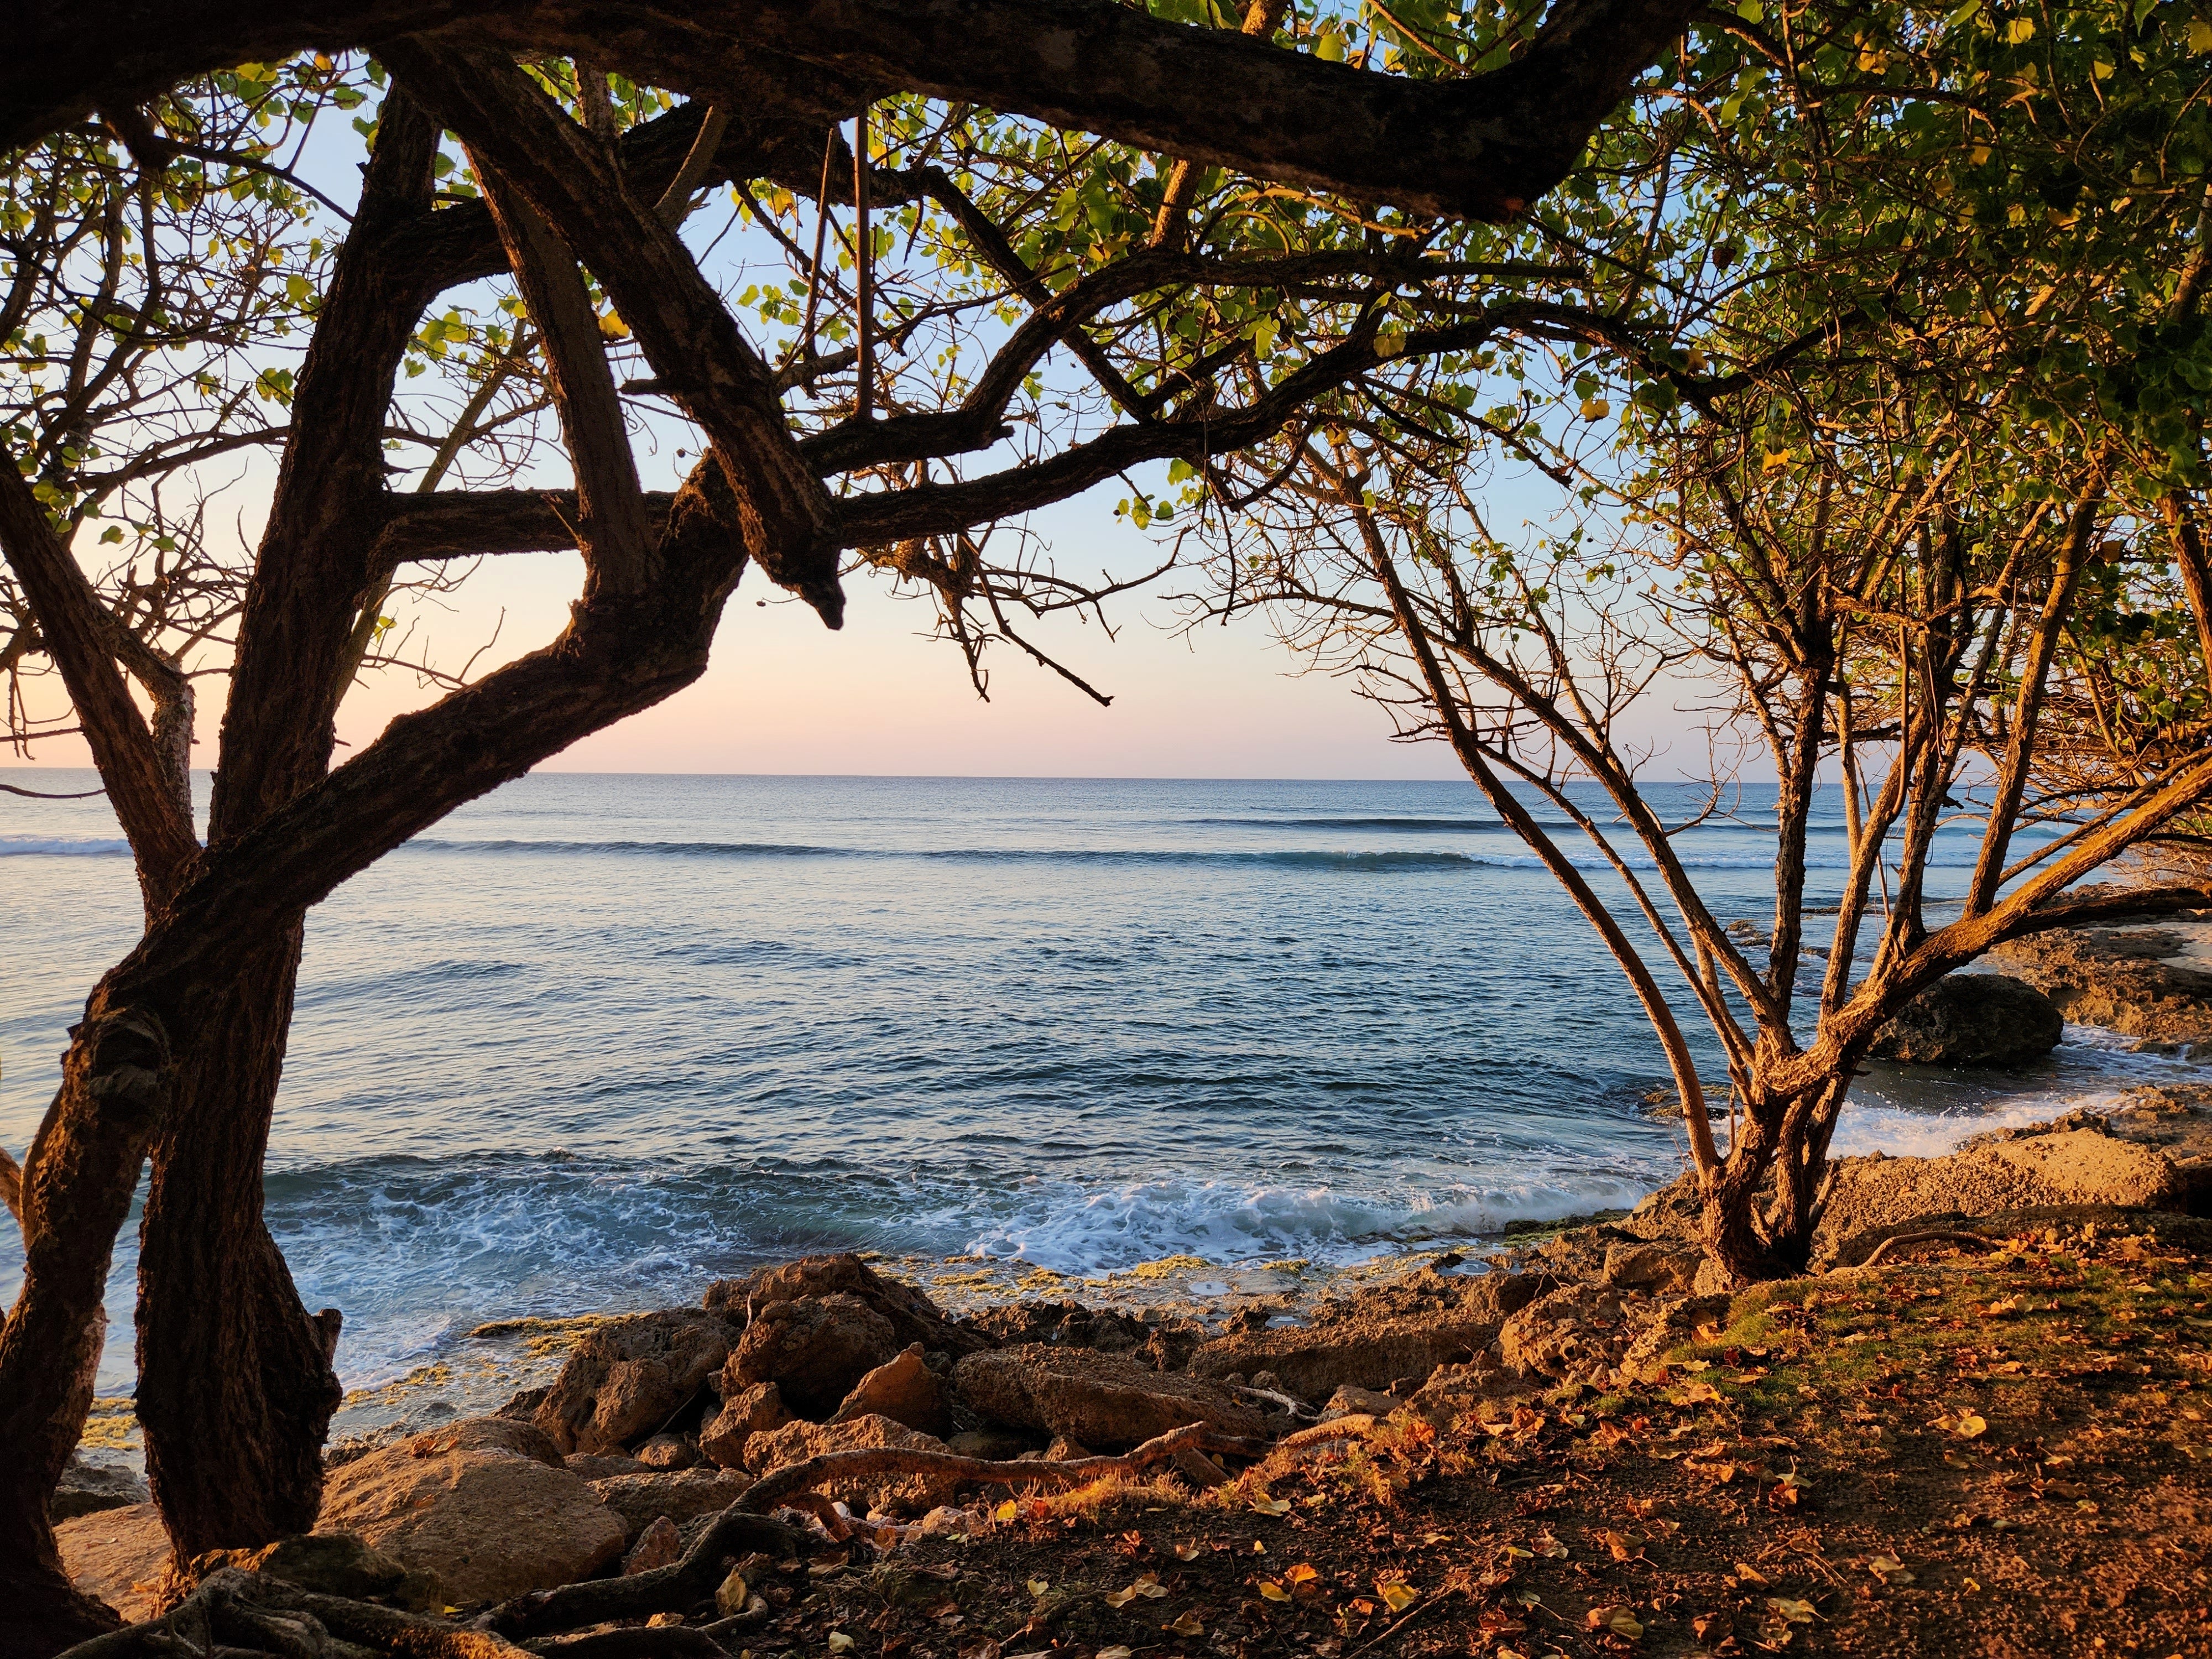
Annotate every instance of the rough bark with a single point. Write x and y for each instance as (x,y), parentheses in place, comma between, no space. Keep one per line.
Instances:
(235,1386)
(78,1179)
(1483,147)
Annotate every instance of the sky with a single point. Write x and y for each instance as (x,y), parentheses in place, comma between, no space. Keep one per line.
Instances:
(784,694)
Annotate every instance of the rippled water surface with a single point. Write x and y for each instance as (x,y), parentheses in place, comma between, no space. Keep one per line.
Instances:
(596,1038)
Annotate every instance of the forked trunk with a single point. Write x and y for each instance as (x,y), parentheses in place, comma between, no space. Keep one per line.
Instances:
(1763,1205)
(235,1386)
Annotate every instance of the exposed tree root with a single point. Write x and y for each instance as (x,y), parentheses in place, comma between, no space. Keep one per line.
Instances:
(645,1641)
(233,1615)
(665,1590)
(250,1613)
(1935,1236)
(777,1487)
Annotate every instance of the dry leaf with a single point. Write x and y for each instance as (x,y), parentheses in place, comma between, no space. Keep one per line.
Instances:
(1188,1552)
(1795,1612)
(1117,1651)
(1271,1591)
(1971,1427)
(1618,1620)
(1550,1547)
(840,1643)
(1301,1574)
(1120,1598)
(1039,1586)
(1749,1574)
(1890,1570)
(1189,1625)
(1006,1511)
(1397,1597)
(1626,1547)
(1151,1588)
(1272,1505)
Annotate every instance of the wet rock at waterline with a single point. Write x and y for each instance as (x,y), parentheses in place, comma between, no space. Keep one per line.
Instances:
(2141,978)
(913,1316)
(1972,1019)
(87,1489)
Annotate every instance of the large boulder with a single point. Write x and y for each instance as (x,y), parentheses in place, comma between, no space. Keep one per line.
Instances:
(1107,1401)
(491,1524)
(117,1556)
(755,1407)
(914,1317)
(625,1379)
(683,1495)
(1387,1334)
(905,1390)
(814,1349)
(1972,1019)
(796,1442)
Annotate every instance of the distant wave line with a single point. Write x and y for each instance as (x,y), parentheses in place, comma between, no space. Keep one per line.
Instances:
(1315,859)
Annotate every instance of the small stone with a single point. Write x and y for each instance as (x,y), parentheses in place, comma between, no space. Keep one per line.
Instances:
(658,1545)
(669,1452)
(1351,1401)
(730,1598)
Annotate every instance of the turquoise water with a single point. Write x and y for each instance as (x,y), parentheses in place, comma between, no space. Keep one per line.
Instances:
(596,1039)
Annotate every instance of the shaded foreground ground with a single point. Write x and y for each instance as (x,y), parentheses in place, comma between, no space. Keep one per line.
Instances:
(1975,1453)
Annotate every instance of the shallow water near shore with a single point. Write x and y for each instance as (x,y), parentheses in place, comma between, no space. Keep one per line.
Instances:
(597,1040)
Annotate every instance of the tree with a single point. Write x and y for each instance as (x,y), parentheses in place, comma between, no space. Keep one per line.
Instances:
(1892,475)
(1190,243)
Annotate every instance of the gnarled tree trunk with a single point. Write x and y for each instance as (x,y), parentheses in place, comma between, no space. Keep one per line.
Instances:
(235,1386)
(78,1178)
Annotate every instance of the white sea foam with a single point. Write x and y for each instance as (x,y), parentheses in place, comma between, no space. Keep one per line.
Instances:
(1075,1230)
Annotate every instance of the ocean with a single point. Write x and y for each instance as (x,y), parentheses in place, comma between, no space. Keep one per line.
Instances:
(597,1039)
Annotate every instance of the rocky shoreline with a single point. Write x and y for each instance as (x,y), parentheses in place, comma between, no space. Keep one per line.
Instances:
(879,1420)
